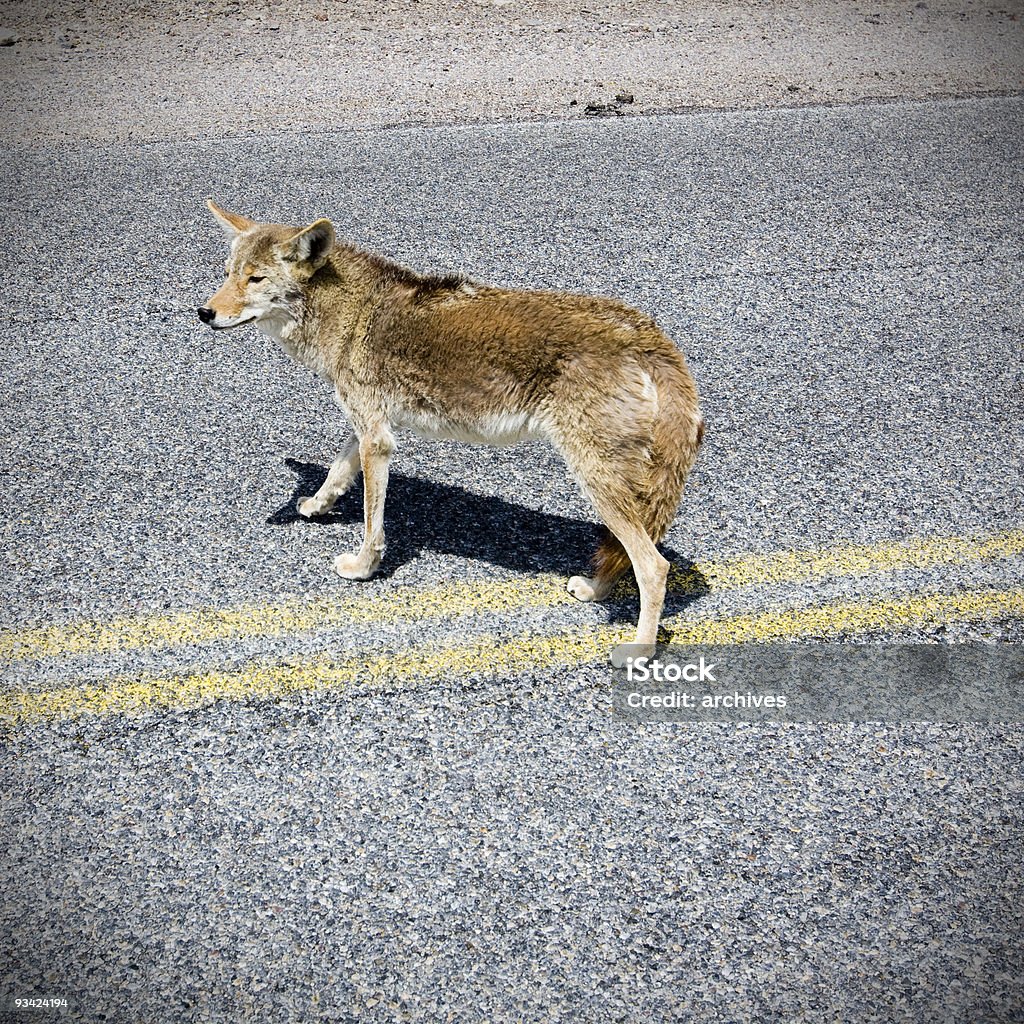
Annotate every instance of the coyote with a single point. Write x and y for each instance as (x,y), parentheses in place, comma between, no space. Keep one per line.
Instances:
(451,357)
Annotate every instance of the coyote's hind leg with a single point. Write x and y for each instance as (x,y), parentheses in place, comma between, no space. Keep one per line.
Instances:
(613,470)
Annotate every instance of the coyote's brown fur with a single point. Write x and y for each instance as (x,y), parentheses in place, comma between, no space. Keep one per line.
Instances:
(453,358)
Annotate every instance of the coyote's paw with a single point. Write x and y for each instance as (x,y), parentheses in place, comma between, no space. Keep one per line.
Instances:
(584,589)
(310,507)
(580,588)
(355,567)
(638,654)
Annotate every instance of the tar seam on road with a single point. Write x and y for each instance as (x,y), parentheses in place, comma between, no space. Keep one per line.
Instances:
(487,657)
(415,604)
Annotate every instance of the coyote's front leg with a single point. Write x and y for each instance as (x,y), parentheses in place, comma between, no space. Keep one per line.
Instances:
(339,479)
(375,448)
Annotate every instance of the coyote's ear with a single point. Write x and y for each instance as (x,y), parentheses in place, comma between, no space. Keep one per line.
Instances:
(311,244)
(232,223)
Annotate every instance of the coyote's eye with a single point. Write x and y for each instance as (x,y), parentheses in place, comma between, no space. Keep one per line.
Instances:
(256,280)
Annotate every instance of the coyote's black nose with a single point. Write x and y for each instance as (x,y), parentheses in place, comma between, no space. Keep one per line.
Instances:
(206,315)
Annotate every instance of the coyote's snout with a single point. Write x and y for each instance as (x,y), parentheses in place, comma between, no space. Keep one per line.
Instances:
(453,358)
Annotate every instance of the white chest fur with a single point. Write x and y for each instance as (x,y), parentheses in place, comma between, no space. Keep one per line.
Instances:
(284,330)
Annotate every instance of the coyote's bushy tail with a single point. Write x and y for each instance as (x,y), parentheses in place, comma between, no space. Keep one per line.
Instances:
(677,434)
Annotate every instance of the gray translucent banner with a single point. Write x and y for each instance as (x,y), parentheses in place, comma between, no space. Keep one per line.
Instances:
(822,683)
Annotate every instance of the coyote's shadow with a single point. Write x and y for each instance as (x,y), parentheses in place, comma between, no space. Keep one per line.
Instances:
(425,515)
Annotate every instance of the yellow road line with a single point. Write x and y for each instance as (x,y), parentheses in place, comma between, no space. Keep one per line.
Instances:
(408,603)
(859,560)
(204,625)
(491,657)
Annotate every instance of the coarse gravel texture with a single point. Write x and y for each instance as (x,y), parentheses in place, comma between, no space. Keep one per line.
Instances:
(170,70)
(500,852)
(846,284)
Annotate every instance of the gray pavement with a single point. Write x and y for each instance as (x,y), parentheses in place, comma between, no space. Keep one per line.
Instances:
(846,284)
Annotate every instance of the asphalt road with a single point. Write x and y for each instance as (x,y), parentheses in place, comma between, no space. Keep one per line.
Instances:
(205,818)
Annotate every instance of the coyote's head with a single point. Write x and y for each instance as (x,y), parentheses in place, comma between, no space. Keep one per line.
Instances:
(266,269)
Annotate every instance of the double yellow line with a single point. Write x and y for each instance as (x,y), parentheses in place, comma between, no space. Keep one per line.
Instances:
(486,655)
(485,597)
(495,657)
